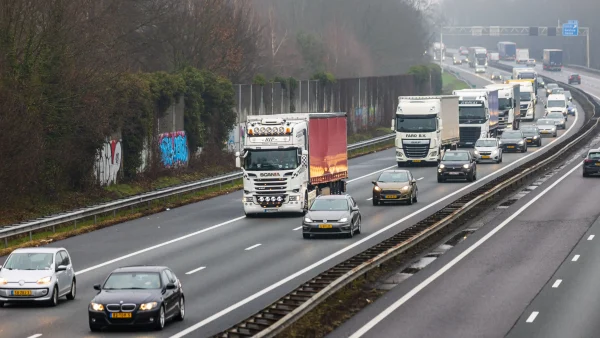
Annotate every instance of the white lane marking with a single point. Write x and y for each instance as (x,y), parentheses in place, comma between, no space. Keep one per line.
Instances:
(591,237)
(557,283)
(347,248)
(457,259)
(195,270)
(252,247)
(35,335)
(532,316)
(370,174)
(575,258)
(298,228)
(175,240)
(370,198)
(418,179)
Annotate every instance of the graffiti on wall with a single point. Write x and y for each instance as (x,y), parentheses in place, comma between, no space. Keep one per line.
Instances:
(236,135)
(108,162)
(173,149)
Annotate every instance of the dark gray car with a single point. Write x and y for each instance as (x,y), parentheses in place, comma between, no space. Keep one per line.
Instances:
(513,140)
(532,133)
(332,215)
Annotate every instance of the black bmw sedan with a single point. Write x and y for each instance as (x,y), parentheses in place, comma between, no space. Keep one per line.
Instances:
(137,296)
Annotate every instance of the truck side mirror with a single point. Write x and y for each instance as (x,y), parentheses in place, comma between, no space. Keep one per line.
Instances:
(304,152)
(393,125)
(238,160)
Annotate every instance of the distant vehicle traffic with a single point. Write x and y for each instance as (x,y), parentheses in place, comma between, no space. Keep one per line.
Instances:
(575,78)
(553,59)
(395,185)
(513,140)
(547,127)
(496,76)
(558,119)
(137,296)
(332,215)
(37,275)
(572,109)
(456,60)
(532,133)
(487,149)
(531,63)
(591,162)
(549,88)
(457,164)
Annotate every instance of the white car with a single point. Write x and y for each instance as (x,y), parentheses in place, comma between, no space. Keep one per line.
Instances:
(487,149)
(479,69)
(531,63)
(38,275)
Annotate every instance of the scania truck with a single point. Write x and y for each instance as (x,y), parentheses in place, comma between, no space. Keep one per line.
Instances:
(528,98)
(425,127)
(477,57)
(509,103)
(289,159)
(478,115)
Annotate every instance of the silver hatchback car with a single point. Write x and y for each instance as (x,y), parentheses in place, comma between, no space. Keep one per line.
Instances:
(37,275)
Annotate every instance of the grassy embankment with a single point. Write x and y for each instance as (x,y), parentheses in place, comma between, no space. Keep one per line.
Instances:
(451,82)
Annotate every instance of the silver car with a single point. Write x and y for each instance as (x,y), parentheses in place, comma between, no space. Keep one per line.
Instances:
(487,149)
(546,127)
(558,118)
(40,275)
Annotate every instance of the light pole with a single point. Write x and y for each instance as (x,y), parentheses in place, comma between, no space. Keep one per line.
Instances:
(442,53)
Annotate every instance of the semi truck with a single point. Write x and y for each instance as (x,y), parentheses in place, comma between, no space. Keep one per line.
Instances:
(528,98)
(478,115)
(290,159)
(526,74)
(553,59)
(509,103)
(477,57)
(494,57)
(438,51)
(425,127)
(522,55)
(507,50)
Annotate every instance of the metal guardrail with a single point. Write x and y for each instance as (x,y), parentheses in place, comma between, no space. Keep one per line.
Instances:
(8,231)
(585,69)
(284,312)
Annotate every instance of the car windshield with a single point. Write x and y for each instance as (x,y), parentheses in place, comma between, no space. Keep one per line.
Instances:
(326,204)
(529,131)
(555,116)
(556,103)
(456,156)
(485,143)
(29,261)
(393,177)
(594,156)
(551,85)
(132,281)
(557,91)
(545,122)
(511,134)
(575,75)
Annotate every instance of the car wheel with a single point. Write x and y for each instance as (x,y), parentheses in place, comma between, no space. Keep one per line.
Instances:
(351,233)
(1,304)
(440,180)
(475,175)
(416,195)
(470,177)
(306,236)
(54,299)
(71,295)
(375,202)
(359,229)
(181,314)
(410,200)
(554,135)
(160,323)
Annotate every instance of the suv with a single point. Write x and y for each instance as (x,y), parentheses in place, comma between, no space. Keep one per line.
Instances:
(513,140)
(575,78)
(591,162)
(457,164)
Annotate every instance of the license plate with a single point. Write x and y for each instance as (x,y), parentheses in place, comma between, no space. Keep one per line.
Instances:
(598,164)
(545,132)
(325,226)
(485,156)
(528,141)
(120,315)
(391,196)
(451,173)
(21,292)
(511,147)
(416,161)
(271,210)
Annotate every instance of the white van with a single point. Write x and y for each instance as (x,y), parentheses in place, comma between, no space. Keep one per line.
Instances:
(557,103)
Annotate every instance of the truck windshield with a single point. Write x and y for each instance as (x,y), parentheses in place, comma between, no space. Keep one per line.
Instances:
(423,124)
(471,115)
(526,76)
(525,96)
(556,104)
(504,104)
(274,159)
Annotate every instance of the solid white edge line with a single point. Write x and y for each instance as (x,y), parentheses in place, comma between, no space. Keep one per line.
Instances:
(35,335)
(370,198)
(575,258)
(591,237)
(298,228)
(557,283)
(457,259)
(347,248)
(532,316)
(252,247)
(195,270)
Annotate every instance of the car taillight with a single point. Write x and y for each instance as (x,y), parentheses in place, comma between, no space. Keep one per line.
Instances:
(588,161)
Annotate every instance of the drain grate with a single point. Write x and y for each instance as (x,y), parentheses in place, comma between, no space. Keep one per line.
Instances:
(509,202)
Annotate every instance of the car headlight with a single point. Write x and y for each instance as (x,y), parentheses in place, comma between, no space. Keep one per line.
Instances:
(377,188)
(476,152)
(500,142)
(306,219)
(494,151)
(148,306)
(3,281)
(535,137)
(405,189)
(97,307)
(466,166)
(442,166)
(342,220)
(521,142)
(45,280)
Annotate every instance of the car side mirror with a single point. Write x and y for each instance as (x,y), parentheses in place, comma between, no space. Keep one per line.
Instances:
(61,268)
(355,208)
(374,183)
(171,286)
(413,181)
(97,287)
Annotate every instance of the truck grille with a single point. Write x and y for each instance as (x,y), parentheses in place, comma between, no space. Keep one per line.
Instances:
(417,150)
(469,134)
(270,185)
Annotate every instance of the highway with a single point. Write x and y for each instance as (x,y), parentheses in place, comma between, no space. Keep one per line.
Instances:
(491,281)
(247,263)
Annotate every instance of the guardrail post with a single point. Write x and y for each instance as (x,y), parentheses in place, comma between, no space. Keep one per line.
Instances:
(30,236)
(95,219)
(115,213)
(54,229)
(75,224)
(6,242)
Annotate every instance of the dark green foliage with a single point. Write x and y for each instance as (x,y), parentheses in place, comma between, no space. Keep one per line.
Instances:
(436,78)
(259,79)
(312,50)
(194,107)
(166,90)
(324,77)
(219,102)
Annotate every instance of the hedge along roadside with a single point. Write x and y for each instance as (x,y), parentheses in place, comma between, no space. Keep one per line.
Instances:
(334,279)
